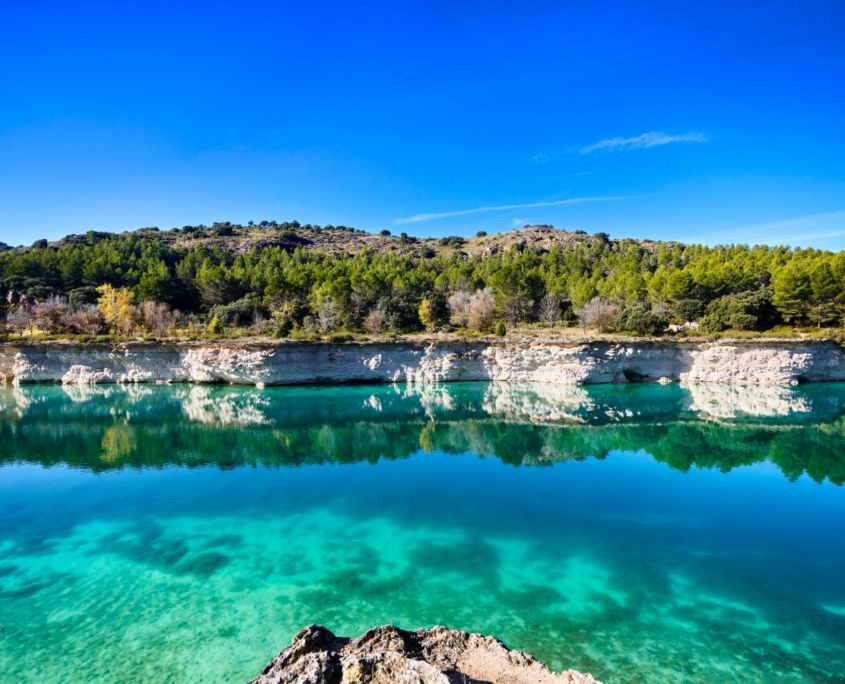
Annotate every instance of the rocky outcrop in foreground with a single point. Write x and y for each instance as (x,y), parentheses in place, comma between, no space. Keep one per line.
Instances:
(388,655)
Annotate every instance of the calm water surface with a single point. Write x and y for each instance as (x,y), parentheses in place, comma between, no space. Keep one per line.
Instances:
(643,533)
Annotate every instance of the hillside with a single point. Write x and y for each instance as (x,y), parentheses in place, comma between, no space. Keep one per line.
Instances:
(239,239)
(291,279)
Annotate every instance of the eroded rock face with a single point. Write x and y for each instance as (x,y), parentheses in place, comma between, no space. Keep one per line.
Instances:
(388,655)
(751,363)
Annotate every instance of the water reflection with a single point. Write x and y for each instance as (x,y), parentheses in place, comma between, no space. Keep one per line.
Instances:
(202,404)
(800,430)
(732,401)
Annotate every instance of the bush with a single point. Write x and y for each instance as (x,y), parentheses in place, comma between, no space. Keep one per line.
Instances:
(376,321)
(741,311)
(305,335)
(215,327)
(284,328)
(599,313)
(82,296)
(689,309)
(641,319)
(499,329)
(236,313)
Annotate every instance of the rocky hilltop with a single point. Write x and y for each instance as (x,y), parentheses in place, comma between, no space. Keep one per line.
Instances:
(388,655)
(753,362)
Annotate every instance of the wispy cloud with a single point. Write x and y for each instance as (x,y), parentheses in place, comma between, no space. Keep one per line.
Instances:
(801,230)
(541,158)
(517,222)
(419,218)
(653,139)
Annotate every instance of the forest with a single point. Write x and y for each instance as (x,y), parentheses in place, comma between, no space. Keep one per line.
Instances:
(304,282)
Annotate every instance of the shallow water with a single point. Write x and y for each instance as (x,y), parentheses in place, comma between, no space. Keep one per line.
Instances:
(642,533)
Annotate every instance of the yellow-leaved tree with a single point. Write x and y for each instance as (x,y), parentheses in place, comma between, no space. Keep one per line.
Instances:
(427,315)
(117,308)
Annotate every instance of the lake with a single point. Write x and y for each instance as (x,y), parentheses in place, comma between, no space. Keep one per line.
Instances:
(642,533)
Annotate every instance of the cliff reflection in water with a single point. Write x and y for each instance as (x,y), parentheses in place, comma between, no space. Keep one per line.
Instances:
(801,430)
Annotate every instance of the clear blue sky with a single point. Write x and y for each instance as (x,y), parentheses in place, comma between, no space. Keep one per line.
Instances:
(697,121)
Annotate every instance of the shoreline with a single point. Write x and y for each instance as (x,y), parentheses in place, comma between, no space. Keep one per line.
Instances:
(757,361)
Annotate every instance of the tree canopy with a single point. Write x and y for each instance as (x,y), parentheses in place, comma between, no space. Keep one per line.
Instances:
(295,277)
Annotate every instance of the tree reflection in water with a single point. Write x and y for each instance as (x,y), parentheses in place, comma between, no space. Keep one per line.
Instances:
(800,430)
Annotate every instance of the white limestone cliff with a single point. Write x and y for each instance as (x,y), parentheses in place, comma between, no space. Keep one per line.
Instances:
(748,362)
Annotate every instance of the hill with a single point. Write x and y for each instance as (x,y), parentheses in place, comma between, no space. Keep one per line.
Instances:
(293,279)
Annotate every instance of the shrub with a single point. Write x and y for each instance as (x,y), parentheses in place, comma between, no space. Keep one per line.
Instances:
(459,306)
(599,313)
(235,313)
(326,315)
(86,320)
(741,311)
(433,311)
(481,309)
(641,319)
(689,309)
(376,321)
(50,314)
(82,296)
(499,329)
(214,327)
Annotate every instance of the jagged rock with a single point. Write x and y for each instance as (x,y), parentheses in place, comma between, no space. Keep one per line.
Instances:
(388,655)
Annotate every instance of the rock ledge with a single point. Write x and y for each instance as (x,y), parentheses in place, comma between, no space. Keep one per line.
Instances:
(388,655)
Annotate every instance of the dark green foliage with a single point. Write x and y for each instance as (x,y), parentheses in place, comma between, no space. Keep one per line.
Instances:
(239,312)
(499,329)
(438,310)
(56,431)
(39,293)
(82,296)
(385,233)
(742,311)
(640,318)
(282,270)
(689,309)
(481,233)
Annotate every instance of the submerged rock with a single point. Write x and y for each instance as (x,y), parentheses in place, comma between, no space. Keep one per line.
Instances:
(388,655)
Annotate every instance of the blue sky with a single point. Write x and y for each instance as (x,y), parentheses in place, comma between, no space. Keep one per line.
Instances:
(695,121)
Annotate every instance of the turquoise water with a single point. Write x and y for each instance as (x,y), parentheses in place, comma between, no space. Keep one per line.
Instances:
(642,533)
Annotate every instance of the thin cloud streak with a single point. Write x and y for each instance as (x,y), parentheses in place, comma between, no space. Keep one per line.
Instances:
(803,224)
(812,236)
(644,141)
(797,230)
(419,218)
